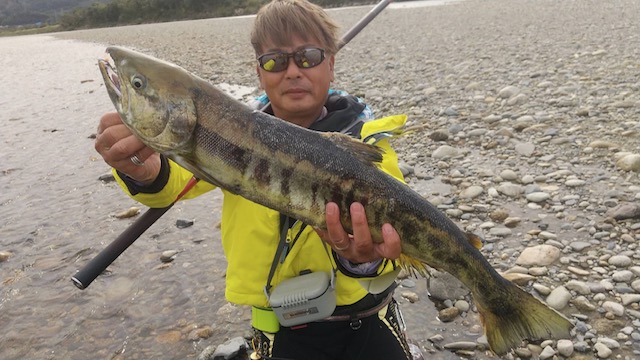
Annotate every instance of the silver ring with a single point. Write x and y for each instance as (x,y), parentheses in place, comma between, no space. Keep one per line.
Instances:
(136,161)
(343,248)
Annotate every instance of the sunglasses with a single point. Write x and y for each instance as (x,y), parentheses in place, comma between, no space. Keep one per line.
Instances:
(279,61)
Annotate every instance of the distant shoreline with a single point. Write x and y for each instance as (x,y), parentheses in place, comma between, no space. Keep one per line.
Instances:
(51,28)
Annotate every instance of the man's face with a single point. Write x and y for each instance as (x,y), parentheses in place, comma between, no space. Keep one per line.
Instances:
(297,94)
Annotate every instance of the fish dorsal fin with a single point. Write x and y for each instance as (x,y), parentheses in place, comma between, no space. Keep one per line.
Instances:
(474,240)
(367,154)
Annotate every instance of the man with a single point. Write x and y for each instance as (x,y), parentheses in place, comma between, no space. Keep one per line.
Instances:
(295,43)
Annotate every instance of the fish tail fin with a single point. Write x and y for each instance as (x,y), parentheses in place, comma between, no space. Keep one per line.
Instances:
(517,316)
(413,266)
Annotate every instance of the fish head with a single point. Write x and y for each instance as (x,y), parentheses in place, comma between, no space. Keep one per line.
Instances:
(153,98)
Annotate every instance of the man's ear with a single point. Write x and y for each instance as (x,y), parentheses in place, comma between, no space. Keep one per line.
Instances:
(332,62)
(259,77)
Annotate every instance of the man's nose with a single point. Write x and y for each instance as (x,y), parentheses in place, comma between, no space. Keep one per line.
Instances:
(292,68)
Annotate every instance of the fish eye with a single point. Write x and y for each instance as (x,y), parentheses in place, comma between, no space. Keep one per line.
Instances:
(138,82)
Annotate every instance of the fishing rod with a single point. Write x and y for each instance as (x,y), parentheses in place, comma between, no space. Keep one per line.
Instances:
(85,276)
(108,255)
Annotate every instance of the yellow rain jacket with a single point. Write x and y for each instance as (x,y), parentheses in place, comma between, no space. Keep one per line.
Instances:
(250,232)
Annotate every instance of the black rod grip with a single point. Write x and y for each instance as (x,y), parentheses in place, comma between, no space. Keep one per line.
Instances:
(98,264)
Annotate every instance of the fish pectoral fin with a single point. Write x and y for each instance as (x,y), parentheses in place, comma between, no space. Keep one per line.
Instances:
(413,266)
(474,240)
(367,154)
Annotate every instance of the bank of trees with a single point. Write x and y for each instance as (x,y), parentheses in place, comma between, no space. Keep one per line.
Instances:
(121,12)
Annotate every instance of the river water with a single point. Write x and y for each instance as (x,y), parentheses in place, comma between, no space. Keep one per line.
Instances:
(56,215)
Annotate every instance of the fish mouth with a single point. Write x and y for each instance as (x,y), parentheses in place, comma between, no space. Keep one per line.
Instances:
(111,79)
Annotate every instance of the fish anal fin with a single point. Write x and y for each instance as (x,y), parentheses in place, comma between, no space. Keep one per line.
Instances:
(365,153)
(474,240)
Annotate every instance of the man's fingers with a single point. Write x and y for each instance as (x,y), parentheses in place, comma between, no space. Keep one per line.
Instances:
(125,148)
(391,247)
(338,238)
(107,120)
(361,232)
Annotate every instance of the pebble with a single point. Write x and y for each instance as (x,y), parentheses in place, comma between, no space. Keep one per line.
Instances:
(227,350)
(578,286)
(613,307)
(461,345)
(500,231)
(508,175)
(168,255)
(512,222)
(629,162)
(107,178)
(629,299)
(538,196)
(411,296)
(508,91)
(547,353)
(625,211)
(183,223)
(540,255)
(559,298)
(620,261)
(471,192)
(462,305)
(511,190)
(575,182)
(565,347)
(130,212)
(622,276)
(602,351)
(444,152)
(525,149)
(448,314)
(5,255)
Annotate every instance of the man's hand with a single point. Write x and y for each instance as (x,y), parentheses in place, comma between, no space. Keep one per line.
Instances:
(359,247)
(123,151)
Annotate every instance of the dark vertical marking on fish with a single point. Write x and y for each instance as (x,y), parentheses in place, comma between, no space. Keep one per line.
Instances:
(285,180)
(261,172)
(349,197)
(336,195)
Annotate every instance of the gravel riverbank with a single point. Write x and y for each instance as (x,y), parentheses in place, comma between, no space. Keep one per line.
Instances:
(526,118)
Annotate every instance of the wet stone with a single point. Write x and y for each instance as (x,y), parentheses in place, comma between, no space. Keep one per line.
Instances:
(461,345)
(107,178)
(5,255)
(183,223)
(448,314)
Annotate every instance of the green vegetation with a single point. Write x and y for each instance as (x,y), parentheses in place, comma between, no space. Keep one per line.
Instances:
(122,12)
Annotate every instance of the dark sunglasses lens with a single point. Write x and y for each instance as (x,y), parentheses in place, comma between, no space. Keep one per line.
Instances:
(308,58)
(273,62)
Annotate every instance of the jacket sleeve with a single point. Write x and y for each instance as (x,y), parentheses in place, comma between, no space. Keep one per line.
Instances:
(164,190)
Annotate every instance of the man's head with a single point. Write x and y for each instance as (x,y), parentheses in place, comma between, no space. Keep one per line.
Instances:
(295,42)
(279,20)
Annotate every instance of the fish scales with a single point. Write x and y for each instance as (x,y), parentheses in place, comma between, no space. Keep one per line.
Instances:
(297,171)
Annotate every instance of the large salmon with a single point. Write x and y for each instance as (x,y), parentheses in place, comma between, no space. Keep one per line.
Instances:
(297,171)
